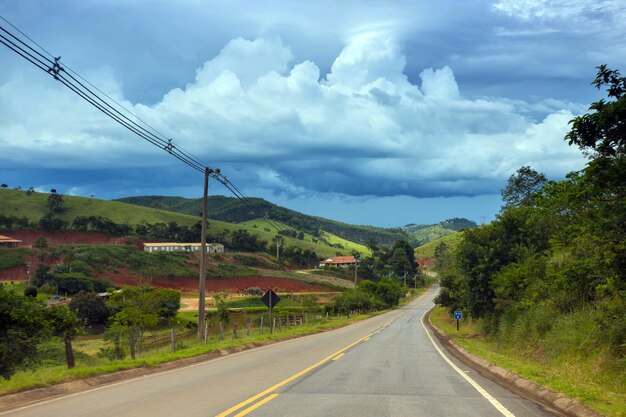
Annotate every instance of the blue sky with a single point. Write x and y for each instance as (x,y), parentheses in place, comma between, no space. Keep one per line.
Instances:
(369,112)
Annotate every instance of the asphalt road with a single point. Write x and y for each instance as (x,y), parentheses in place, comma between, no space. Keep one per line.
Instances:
(385,366)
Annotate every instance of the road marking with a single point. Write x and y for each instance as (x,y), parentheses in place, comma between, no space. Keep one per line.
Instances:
(288,380)
(37,403)
(502,409)
(257,405)
(338,356)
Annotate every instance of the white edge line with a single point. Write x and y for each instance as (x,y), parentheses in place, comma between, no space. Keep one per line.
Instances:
(502,409)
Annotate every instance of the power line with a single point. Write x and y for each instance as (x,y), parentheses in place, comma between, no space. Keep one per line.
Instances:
(57,70)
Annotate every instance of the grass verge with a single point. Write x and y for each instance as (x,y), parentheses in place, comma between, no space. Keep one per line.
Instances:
(93,366)
(591,379)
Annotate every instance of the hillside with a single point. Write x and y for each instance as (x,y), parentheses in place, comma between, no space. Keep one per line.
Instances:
(428,250)
(33,207)
(421,234)
(232,210)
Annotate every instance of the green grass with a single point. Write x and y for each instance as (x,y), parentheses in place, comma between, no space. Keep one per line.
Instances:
(428,234)
(591,378)
(321,248)
(10,258)
(428,250)
(33,206)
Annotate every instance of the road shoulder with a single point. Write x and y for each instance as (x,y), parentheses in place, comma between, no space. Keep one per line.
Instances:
(552,400)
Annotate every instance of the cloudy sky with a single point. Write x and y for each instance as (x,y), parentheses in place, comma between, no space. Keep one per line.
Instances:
(370,112)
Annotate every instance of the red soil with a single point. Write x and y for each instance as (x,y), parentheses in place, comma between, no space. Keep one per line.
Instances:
(65,238)
(235,284)
(17,273)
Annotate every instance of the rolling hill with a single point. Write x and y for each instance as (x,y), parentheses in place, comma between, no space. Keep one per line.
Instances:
(33,207)
(232,210)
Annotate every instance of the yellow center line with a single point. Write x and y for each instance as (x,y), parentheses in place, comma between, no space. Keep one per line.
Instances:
(338,356)
(291,378)
(366,339)
(257,405)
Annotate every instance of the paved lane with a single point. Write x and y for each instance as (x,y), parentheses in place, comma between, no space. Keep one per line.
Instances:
(384,366)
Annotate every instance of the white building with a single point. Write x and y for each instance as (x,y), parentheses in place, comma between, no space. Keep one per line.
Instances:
(182,247)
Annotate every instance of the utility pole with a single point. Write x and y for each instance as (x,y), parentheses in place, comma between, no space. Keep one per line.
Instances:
(356,265)
(202,278)
(277,248)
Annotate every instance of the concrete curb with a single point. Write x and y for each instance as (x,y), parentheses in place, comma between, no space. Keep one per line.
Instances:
(552,400)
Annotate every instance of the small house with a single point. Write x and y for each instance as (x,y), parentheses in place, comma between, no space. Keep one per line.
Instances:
(182,247)
(7,242)
(339,262)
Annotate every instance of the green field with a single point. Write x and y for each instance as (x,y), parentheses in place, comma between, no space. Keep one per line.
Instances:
(428,250)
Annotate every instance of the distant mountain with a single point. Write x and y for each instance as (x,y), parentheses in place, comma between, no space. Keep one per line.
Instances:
(233,210)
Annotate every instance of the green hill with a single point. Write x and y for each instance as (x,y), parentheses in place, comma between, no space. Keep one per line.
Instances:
(428,250)
(232,210)
(421,234)
(33,206)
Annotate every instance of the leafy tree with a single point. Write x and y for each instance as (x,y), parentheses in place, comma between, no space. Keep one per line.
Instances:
(55,202)
(50,223)
(40,243)
(90,308)
(372,244)
(522,187)
(30,291)
(137,309)
(443,257)
(603,132)
(3,185)
(22,328)
(67,325)
(402,259)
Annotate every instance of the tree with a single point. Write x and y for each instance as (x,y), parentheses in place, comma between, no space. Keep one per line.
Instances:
(55,202)
(603,132)
(443,257)
(137,309)
(402,258)
(41,243)
(30,291)
(67,325)
(90,308)
(3,185)
(372,244)
(522,187)
(22,328)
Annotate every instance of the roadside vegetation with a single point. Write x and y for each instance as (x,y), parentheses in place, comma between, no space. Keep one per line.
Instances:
(545,283)
(134,327)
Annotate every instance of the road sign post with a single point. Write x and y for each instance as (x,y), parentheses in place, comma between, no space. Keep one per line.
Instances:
(458,315)
(270,299)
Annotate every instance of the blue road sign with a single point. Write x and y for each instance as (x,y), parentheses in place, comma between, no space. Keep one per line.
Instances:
(458,315)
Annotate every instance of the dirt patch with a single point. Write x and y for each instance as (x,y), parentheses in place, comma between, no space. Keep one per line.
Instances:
(235,284)
(28,237)
(17,273)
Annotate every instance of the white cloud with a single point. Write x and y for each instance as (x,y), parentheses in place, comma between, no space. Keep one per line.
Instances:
(363,129)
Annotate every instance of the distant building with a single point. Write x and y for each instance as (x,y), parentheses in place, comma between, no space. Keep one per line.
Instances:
(182,247)
(7,242)
(339,261)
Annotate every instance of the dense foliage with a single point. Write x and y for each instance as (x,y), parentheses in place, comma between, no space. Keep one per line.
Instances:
(22,327)
(557,251)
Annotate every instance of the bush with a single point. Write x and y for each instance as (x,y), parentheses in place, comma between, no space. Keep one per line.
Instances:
(30,291)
